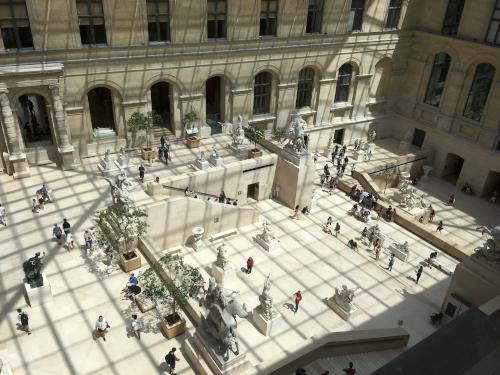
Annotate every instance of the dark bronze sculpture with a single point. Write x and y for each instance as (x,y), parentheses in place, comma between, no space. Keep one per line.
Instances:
(33,270)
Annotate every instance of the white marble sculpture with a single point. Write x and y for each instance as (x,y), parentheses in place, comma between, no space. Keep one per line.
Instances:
(267,239)
(237,133)
(222,257)
(222,270)
(295,135)
(265,317)
(120,188)
(400,251)
(215,154)
(342,302)
(266,301)
(491,247)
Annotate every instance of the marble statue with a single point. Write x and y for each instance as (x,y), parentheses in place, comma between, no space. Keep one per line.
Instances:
(221,322)
(402,247)
(215,154)
(412,200)
(371,135)
(202,156)
(237,132)
(33,270)
(106,156)
(267,234)
(344,297)
(120,188)
(491,247)
(266,301)
(295,134)
(222,257)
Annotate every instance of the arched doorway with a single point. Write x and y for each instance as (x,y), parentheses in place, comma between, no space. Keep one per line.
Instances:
(101,109)
(453,168)
(161,103)
(33,120)
(214,103)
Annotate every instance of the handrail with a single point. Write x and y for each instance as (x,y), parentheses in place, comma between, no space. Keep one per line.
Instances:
(195,192)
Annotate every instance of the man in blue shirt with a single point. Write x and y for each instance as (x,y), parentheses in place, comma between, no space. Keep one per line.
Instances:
(133,280)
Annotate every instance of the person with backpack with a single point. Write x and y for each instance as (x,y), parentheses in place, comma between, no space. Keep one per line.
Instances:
(171,360)
(57,233)
(66,226)
(23,321)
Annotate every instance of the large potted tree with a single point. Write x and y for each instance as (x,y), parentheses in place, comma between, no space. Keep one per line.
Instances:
(255,135)
(140,121)
(190,119)
(118,229)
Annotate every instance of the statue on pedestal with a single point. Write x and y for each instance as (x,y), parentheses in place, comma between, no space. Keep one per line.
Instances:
(237,133)
(491,247)
(402,247)
(371,135)
(120,188)
(296,133)
(344,297)
(267,234)
(215,154)
(202,156)
(266,301)
(33,270)
(222,257)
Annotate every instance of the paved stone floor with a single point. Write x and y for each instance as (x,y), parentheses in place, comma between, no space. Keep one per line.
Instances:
(309,260)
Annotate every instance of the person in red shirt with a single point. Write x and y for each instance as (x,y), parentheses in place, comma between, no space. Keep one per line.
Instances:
(350,370)
(298,298)
(249,265)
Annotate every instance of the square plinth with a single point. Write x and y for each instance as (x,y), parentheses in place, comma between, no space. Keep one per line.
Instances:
(202,164)
(266,327)
(39,296)
(272,246)
(223,276)
(344,314)
(216,162)
(401,255)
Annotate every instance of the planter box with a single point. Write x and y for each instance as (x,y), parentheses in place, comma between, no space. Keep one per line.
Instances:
(144,303)
(193,142)
(130,264)
(173,330)
(146,154)
(252,154)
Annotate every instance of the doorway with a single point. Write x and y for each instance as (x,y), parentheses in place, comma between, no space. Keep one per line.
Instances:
(160,103)
(214,107)
(453,168)
(491,184)
(338,136)
(418,137)
(34,121)
(253,191)
(101,108)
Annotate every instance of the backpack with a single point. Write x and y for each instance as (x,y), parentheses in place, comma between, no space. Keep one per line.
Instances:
(24,319)
(170,358)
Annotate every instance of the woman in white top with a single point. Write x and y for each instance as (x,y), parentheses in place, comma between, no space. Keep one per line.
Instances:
(70,244)
(136,326)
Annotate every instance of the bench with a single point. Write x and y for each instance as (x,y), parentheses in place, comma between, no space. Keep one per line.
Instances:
(172,250)
(439,266)
(221,235)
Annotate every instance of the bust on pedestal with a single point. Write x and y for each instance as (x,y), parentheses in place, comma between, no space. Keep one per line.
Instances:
(197,235)
(267,239)
(341,302)
(265,316)
(222,270)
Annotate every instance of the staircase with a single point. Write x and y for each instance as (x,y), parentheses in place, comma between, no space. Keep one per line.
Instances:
(158,132)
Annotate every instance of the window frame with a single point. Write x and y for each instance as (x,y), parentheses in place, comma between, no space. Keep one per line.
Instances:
(433,83)
(316,17)
(262,92)
(216,14)
(454,27)
(483,90)
(496,8)
(393,9)
(92,25)
(266,15)
(341,86)
(15,29)
(157,16)
(305,87)
(359,12)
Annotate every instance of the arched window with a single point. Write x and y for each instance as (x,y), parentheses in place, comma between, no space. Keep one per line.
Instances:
(478,93)
(343,83)
(437,79)
(305,88)
(262,93)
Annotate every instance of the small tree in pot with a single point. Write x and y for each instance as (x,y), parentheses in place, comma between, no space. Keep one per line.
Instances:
(140,121)
(254,135)
(190,118)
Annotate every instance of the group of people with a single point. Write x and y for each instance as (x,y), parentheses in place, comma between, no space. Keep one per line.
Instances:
(63,236)
(164,150)
(42,197)
(222,198)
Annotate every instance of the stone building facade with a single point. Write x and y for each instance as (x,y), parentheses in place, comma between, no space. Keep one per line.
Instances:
(73,71)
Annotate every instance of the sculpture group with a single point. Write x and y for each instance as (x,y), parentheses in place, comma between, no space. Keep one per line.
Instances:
(295,135)
(33,270)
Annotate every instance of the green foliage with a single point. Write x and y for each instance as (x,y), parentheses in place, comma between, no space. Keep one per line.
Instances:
(254,134)
(389,171)
(279,135)
(118,226)
(190,118)
(140,121)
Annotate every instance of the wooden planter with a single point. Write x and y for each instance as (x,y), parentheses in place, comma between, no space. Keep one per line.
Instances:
(192,142)
(176,329)
(144,303)
(147,153)
(132,263)
(255,153)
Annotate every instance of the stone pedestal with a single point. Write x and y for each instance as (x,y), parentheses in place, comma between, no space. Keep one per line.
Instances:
(272,246)
(107,167)
(20,165)
(427,169)
(223,276)
(216,162)
(39,296)
(239,150)
(266,327)
(401,255)
(201,164)
(358,155)
(123,162)
(197,235)
(67,156)
(343,313)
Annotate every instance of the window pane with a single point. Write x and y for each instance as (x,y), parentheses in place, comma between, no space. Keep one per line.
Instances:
(437,79)
(85,34)
(452,17)
(8,37)
(479,90)
(100,34)
(153,35)
(96,9)
(211,30)
(163,7)
(25,37)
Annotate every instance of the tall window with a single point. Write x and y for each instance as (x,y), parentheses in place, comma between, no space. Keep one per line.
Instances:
(216,19)
(393,14)
(343,83)
(493,35)
(268,17)
(314,16)
(305,88)
(158,20)
(15,24)
(262,93)
(91,20)
(479,90)
(356,15)
(438,79)
(452,17)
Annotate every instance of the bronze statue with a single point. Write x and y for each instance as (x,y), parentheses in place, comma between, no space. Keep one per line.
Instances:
(33,270)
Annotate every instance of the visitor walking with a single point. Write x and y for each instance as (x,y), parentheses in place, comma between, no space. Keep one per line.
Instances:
(296,212)
(393,216)
(419,273)
(378,248)
(89,241)
(101,328)
(3,218)
(431,216)
(136,326)
(391,263)
(34,206)
(249,265)
(350,370)
(69,242)
(298,298)
(171,360)
(66,226)
(141,172)
(315,157)
(440,226)
(39,199)
(451,200)
(337,229)
(57,233)
(23,321)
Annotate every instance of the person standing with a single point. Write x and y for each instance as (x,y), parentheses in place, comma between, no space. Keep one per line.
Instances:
(141,172)
(378,247)
(23,321)
(101,328)
(337,229)
(34,206)
(431,215)
(162,141)
(296,212)
(393,216)
(89,241)
(419,273)
(391,263)
(171,360)
(2,215)
(350,370)
(440,226)
(70,243)
(136,326)
(249,265)
(315,157)
(57,233)
(66,226)
(298,298)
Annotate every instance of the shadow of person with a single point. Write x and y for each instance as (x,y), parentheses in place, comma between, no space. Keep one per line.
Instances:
(289,306)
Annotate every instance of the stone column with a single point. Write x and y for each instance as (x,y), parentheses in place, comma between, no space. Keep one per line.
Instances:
(286,103)
(17,157)
(65,148)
